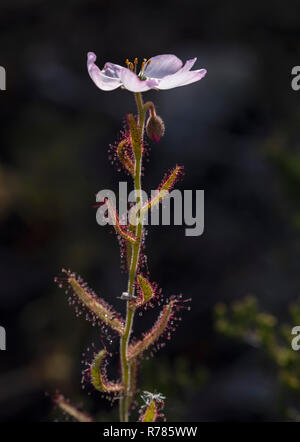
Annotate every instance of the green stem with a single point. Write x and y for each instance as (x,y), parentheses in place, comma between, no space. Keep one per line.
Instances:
(126,398)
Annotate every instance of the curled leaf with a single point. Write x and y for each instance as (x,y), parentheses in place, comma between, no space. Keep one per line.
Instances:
(99,377)
(124,157)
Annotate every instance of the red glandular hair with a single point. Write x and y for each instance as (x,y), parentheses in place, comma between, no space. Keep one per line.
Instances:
(86,301)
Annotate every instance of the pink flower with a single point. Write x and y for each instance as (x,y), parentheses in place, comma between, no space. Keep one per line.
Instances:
(160,72)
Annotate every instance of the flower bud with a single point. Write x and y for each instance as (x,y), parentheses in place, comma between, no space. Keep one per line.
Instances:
(155,127)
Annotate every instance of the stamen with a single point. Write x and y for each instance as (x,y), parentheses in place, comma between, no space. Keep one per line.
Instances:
(143,64)
(133,66)
(147,62)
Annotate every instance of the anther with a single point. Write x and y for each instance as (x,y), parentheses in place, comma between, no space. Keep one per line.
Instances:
(143,64)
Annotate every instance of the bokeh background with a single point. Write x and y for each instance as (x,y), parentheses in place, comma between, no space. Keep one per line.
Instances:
(237,134)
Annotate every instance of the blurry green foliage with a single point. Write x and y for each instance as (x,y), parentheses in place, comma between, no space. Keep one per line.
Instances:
(244,320)
(282,150)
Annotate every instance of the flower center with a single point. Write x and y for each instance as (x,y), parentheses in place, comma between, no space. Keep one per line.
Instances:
(133,66)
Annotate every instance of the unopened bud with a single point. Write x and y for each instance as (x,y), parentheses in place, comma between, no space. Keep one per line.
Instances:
(155,127)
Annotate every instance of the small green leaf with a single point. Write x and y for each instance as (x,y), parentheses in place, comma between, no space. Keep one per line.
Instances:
(146,288)
(150,414)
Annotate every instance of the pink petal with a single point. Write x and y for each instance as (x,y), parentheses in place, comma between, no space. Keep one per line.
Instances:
(162,65)
(189,64)
(132,82)
(112,70)
(102,81)
(181,78)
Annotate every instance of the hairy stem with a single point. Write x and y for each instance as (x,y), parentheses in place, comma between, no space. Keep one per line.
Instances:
(126,398)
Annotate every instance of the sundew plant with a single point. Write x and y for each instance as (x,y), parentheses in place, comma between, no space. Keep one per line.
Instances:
(160,72)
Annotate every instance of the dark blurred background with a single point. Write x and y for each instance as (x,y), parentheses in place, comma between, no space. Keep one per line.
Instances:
(237,134)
